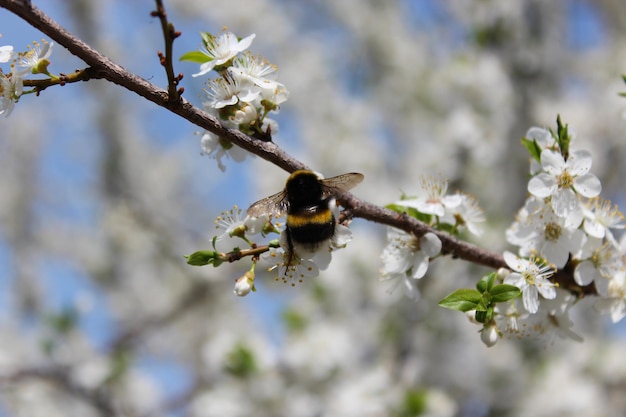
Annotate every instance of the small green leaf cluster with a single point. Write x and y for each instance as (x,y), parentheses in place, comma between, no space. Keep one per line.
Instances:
(562,139)
(483,299)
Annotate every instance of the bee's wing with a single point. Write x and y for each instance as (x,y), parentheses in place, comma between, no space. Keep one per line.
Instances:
(274,205)
(342,182)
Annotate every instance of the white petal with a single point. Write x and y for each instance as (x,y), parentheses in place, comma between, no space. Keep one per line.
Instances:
(602,286)
(245,43)
(552,162)
(395,260)
(574,218)
(342,236)
(420,265)
(588,185)
(555,253)
(576,240)
(322,257)
(512,261)
(410,288)
(542,185)
(546,289)
(515,279)
(594,228)
(452,201)
(430,244)
(204,68)
(564,201)
(583,275)
(542,136)
(579,162)
(531,299)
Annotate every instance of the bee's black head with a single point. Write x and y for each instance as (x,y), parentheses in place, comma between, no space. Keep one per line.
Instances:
(304,189)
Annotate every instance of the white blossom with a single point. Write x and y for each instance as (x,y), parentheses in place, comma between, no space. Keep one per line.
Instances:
(531,278)
(598,262)
(600,216)
(431,197)
(615,301)
(31,60)
(11,88)
(406,257)
(222,49)
(217,148)
(562,180)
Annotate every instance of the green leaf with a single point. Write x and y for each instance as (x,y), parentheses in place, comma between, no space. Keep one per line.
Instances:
(397,208)
(411,211)
(464,299)
(196,56)
(504,292)
(533,148)
(448,228)
(563,137)
(204,257)
(486,282)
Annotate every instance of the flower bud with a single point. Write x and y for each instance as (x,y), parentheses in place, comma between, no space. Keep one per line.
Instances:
(245,284)
(490,334)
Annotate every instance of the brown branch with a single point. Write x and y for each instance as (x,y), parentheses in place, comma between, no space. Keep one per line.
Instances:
(106,69)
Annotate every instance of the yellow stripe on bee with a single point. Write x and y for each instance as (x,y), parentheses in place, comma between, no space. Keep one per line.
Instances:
(299,220)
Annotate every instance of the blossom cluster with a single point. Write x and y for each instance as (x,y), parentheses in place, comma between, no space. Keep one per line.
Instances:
(291,262)
(33,61)
(563,226)
(406,257)
(243,94)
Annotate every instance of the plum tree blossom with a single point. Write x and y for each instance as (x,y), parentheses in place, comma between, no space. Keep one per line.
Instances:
(531,278)
(221,49)
(36,59)
(406,257)
(560,179)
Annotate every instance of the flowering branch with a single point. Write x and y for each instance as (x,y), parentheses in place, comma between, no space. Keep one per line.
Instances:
(102,67)
(240,100)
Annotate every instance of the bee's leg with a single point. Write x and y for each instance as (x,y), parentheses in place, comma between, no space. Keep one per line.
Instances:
(290,253)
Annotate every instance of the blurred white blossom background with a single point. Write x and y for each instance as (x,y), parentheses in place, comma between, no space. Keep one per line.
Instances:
(102,194)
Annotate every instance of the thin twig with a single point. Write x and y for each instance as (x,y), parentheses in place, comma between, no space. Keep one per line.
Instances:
(169,34)
(76,76)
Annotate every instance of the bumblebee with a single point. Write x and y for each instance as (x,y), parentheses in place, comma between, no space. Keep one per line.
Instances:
(306,200)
